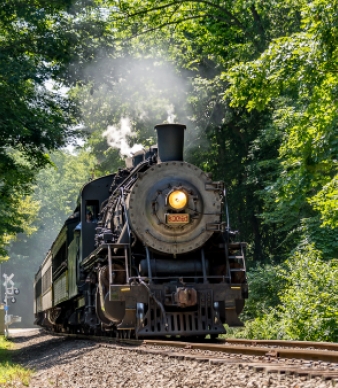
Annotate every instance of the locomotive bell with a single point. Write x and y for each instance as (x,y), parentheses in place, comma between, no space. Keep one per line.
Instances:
(170,141)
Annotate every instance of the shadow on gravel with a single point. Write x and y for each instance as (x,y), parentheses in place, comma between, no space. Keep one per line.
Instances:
(51,352)
(23,338)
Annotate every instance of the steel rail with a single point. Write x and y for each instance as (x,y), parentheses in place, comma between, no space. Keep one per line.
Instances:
(288,353)
(299,344)
(323,353)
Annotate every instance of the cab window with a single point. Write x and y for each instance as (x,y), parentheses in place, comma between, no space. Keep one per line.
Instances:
(91,211)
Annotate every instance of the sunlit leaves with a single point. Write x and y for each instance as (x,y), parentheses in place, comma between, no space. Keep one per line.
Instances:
(301,68)
(225,32)
(16,210)
(326,202)
(308,309)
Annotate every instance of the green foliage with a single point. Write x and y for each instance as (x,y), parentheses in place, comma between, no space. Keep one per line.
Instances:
(17,210)
(266,283)
(44,48)
(308,302)
(203,32)
(325,202)
(299,69)
(33,116)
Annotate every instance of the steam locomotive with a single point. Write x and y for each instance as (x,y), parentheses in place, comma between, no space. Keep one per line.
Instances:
(148,252)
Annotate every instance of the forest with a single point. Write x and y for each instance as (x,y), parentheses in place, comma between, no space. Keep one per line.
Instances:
(256,83)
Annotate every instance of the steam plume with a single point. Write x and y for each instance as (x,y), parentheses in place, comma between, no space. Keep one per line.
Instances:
(117,137)
(171,116)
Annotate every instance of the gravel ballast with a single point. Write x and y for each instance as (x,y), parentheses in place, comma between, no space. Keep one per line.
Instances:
(60,362)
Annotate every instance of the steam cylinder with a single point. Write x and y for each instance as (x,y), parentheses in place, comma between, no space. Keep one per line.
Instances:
(170,141)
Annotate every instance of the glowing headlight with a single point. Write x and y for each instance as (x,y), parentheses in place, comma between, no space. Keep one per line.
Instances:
(177,199)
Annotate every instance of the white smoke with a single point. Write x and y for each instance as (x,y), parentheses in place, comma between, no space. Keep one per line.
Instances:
(118,135)
(171,116)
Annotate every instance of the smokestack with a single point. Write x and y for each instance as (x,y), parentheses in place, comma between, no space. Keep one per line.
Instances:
(170,141)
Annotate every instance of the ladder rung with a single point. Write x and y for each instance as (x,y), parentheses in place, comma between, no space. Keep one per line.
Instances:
(236,257)
(237,245)
(237,270)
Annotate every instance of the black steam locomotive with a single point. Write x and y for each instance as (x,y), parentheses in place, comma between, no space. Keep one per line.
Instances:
(148,252)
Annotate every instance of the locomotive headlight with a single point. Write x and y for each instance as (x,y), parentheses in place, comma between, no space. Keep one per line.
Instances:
(178,199)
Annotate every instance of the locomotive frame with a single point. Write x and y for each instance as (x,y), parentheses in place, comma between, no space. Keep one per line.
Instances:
(158,260)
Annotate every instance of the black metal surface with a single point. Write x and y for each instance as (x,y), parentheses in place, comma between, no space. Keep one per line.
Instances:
(160,267)
(96,190)
(138,158)
(151,152)
(170,139)
(201,321)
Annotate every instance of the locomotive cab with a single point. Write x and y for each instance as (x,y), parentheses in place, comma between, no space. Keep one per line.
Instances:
(92,196)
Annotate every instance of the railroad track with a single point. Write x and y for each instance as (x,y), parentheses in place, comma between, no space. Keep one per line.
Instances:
(307,360)
(291,344)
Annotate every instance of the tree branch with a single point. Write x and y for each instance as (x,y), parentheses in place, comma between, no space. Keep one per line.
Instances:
(258,21)
(176,22)
(229,14)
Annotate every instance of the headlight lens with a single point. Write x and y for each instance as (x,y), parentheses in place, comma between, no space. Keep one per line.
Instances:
(178,199)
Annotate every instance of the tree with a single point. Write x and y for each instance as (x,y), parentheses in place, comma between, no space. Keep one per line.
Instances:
(42,52)
(296,75)
(17,211)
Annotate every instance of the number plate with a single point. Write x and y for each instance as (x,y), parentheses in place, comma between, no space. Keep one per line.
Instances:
(178,219)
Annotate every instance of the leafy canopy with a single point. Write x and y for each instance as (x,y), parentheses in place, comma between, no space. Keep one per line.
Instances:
(44,47)
(301,68)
